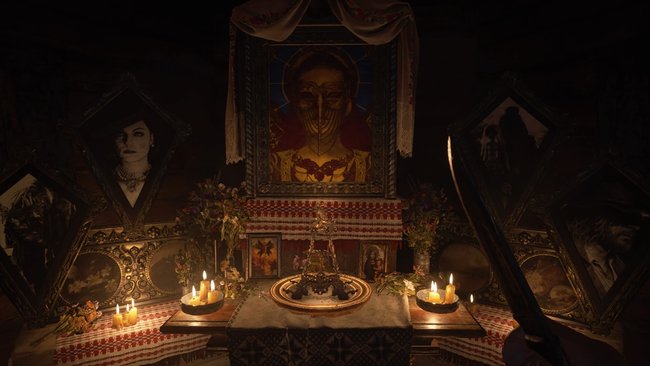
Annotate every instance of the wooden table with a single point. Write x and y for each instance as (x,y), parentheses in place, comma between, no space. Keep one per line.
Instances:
(426,325)
(460,323)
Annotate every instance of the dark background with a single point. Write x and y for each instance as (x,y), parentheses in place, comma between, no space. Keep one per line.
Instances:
(586,60)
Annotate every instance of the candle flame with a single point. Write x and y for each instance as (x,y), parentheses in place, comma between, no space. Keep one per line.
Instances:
(205,276)
(127,308)
(132,303)
(193,291)
(212,285)
(435,287)
(471,298)
(451,279)
(431,285)
(117,309)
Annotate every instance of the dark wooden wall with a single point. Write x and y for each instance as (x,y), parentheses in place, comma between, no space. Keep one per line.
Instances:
(588,61)
(585,62)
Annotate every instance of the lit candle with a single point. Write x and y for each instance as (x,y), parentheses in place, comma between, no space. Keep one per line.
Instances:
(117,318)
(133,313)
(472,306)
(450,290)
(434,295)
(125,317)
(212,295)
(203,288)
(194,301)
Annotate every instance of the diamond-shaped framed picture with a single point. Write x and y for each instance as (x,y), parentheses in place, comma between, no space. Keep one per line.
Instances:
(506,142)
(44,221)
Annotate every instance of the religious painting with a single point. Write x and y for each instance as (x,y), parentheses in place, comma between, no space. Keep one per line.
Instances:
(264,255)
(161,266)
(43,220)
(507,141)
(323,125)
(603,220)
(95,276)
(373,261)
(549,283)
(128,141)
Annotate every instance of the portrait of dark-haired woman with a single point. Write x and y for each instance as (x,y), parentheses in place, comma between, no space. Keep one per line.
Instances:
(128,151)
(133,143)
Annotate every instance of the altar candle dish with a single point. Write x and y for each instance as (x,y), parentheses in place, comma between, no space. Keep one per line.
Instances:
(212,295)
(434,295)
(203,288)
(117,318)
(450,291)
(133,313)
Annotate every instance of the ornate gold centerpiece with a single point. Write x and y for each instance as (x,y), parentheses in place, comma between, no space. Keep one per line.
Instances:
(321,287)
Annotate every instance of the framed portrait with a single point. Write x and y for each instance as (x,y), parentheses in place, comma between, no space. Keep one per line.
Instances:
(506,141)
(319,111)
(603,223)
(44,220)
(264,255)
(128,141)
(373,260)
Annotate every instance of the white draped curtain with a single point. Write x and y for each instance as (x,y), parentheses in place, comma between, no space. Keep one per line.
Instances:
(376,22)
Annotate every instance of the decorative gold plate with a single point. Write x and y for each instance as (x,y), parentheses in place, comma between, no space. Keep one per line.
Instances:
(321,303)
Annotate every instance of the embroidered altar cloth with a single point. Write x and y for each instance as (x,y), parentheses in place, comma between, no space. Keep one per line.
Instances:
(378,332)
(138,344)
(355,218)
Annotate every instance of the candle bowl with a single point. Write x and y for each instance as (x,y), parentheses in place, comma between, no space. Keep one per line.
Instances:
(200,309)
(421,299)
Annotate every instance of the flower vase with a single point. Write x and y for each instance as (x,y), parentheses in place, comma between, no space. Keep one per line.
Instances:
(422,259)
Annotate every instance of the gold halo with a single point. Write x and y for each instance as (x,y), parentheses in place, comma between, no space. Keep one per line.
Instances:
(305,53)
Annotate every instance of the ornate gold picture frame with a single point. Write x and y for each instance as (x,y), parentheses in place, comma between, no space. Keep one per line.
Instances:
(116,265)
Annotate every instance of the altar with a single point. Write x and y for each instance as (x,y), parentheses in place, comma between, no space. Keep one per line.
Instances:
(384,330)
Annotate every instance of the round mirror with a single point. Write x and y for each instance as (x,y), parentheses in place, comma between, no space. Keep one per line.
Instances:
(469,265)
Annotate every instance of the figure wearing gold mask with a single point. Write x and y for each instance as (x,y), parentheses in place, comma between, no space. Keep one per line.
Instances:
(320,87)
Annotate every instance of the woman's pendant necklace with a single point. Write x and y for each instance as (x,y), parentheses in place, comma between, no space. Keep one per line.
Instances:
(130,179)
